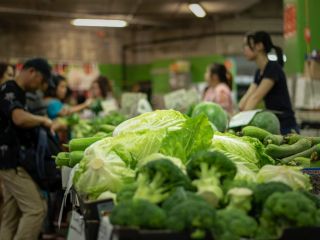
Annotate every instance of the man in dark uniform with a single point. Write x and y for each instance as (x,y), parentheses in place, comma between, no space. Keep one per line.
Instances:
(24,207)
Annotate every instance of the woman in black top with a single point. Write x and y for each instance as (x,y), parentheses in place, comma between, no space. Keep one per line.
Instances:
(270,82)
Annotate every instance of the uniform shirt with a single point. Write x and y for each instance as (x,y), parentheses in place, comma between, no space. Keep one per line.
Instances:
(277,99)
(11,98)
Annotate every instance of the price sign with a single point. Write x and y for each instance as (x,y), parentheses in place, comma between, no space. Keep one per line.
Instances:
(242,118)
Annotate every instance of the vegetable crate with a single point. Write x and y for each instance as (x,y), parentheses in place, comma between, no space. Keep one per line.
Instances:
(314,174)
(306,233)
(92,211)
(121,233)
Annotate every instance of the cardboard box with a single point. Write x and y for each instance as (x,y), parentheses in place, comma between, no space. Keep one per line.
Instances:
(307,94)
(312,69)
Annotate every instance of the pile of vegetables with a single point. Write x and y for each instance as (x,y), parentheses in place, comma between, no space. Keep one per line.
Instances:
(166,170)
(207,200)
(98,126)
(292,149)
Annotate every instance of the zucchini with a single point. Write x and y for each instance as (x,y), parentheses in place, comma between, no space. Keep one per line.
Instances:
(273,139)
(62,159)
(292,138)
(80,144)
(102,134)
(315,150)
(284,151)
(302,161)
(106,128)
(75,157)
(255,132)
(315,140)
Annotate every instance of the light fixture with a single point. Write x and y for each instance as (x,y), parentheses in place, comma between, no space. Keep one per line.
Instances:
(197,10)
(98,23)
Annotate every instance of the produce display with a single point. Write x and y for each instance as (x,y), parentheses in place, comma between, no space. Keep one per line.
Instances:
(166,170)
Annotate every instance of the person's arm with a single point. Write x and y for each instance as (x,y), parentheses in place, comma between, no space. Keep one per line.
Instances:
(80,107)
(259,93)
(247,95)
(25,119)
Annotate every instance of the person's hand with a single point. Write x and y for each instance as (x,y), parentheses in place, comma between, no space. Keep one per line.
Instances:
(64,112)
(58,126)
(46,122)
(88,102)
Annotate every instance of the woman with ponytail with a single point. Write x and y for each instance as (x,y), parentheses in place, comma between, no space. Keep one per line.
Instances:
(270,82)
(219,86)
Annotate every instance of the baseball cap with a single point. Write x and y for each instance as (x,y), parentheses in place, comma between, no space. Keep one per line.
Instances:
(42,66)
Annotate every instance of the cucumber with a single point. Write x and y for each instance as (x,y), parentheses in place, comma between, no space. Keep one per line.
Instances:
(275,151)
(315,150)
(75,157)
(273,139)
(255,132)
(62,159)
(80,144)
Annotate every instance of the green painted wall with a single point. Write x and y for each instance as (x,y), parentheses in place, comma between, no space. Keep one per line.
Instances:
(199,65)
(296,46)
(157,72)
(160,75)
(114,73)
(138,72)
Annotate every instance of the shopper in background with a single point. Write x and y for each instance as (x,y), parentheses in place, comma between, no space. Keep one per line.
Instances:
(101,90)
(7,72)
(270,82)
(219,86)
(24,207)
(55,97)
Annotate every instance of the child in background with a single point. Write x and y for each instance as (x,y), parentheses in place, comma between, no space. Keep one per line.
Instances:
(56,96)
(219,87)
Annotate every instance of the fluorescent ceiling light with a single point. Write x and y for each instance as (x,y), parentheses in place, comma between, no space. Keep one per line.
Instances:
(197,10)
(98,23)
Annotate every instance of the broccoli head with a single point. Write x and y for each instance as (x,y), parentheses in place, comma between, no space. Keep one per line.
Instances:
(312,197)
(156,179)
(138,213)
(193,215)
(209,170)
(240,198)
(179,195)
(263,191)
(286,209)
(126,192)
(233,224)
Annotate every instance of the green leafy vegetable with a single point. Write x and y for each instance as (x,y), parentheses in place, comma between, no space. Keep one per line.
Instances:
(193,136)
(247,150)
(152,121)
(292,176)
